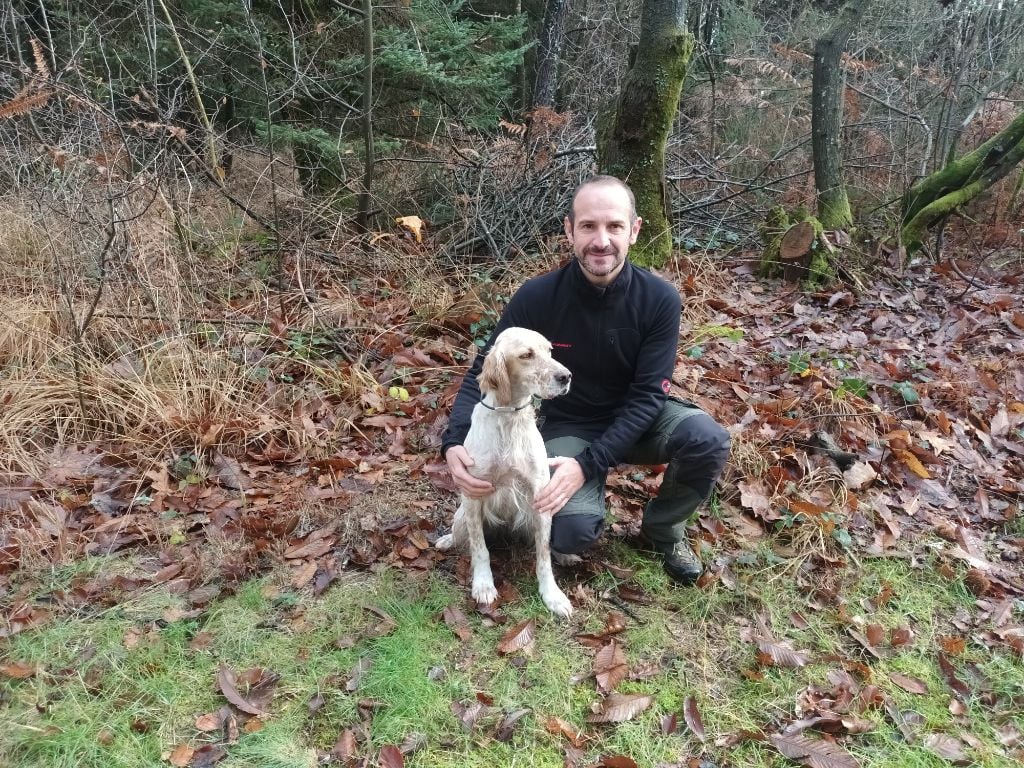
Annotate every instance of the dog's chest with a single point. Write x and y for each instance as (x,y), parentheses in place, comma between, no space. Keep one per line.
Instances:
(507,451)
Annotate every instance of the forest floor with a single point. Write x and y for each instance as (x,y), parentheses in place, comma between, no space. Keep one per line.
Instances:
(279,605)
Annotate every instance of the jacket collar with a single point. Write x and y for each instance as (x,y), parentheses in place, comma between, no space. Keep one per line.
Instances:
(587,290)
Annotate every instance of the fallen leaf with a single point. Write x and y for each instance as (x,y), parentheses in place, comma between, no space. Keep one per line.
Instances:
(909,684)
(693,719)
(503,731)
(947,747)
(18,670)
(226,681)
(519,637)
(557,725)
(345,747)
(211,721)
(207,755)
(610,667)
(815,753)
(391,757)
(616,761)
(781,655)
(913,463)
(458,622)
(181,756)
(357,673)
(949,675)
(468,714)
(619,707)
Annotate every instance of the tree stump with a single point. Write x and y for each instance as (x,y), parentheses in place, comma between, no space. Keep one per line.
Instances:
(796,249)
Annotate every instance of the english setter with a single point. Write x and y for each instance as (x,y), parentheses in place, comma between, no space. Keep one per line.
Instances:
(508,451)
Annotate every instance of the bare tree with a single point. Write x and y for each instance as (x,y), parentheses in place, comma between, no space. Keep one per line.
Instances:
(631,144)
(827,116)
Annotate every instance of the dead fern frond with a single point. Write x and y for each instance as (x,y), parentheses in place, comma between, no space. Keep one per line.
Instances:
(42,68)
(516,129)
(24,102)
(793,54)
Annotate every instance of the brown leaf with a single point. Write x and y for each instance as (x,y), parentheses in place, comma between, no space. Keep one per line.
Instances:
(458,622)
(18,670)
(211,721)
(949,675)
(557,725)
(815,753)
(782,655)
(226,681)
(468,714)
(207,755)
(357,673)
(302,574)
(503,731)
(517,638)
(616,761)
(693,719)
(875,634)
(947,747)
(344,748)
(619,707)
(669,724)
(181,756)
(633,594)
(391,757)
(909,684)
(900,636)
(954,646)
(610,667)
(913,463)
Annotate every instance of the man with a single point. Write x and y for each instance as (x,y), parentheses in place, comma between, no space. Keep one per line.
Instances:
(615,326)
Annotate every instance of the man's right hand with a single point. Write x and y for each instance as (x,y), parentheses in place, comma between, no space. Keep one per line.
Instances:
(459,462)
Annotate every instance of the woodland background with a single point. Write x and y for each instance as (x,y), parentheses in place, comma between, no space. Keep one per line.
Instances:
(248,250)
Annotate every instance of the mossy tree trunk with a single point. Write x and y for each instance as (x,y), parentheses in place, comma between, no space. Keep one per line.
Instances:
(631,144)
(938,195)
(827,118)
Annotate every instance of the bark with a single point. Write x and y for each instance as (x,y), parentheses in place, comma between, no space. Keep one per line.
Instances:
(938,195)
(363,216)
(549,53)
(976,171)
(827,117)
(632,138)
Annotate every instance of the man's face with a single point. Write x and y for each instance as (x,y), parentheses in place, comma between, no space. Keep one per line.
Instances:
(602,232)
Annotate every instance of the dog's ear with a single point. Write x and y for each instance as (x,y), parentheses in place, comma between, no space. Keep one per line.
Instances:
(494,376)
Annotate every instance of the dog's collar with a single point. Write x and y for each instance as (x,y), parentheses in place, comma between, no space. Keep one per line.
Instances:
(507,408)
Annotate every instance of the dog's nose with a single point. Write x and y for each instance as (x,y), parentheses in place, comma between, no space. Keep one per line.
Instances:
(563,378)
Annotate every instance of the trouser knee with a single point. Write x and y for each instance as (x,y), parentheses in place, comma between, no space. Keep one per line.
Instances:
(699,449)
(572,534)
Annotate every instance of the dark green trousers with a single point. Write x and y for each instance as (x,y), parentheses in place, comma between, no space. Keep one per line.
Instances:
(695,448)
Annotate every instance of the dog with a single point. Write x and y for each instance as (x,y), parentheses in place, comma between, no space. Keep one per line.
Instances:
(508,451)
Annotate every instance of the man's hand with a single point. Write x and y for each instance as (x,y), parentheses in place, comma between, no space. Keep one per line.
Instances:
(459,462)
(565,481)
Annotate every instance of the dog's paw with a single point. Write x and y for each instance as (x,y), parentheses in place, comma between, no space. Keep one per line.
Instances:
(565,560)
(445,542)
(557,603)
(484,592)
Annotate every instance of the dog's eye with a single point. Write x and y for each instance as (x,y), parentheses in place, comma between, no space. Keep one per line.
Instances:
(528,354)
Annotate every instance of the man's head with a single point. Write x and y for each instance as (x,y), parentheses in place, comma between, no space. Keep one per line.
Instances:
(601,225)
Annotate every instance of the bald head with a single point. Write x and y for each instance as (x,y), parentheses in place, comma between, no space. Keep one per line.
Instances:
(602,180)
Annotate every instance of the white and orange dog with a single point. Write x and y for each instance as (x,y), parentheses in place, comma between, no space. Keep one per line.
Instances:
(508,451)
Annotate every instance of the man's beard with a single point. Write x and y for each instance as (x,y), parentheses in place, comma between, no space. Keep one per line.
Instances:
(616,261)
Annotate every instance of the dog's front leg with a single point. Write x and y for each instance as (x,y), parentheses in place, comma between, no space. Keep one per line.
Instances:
(554,598)
(483,580)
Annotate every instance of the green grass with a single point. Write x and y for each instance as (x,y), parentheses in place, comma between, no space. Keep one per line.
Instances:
(97,702)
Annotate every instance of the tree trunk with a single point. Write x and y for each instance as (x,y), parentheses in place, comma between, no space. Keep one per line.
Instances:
(631,144)
(827,118)
(938,195)
(549,53)
(365,196)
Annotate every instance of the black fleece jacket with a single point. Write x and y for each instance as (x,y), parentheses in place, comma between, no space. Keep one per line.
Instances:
(620,344)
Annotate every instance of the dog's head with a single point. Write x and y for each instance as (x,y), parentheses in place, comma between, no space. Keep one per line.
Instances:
(520,365)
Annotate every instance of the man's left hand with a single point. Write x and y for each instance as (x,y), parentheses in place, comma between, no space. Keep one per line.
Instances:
(565,481)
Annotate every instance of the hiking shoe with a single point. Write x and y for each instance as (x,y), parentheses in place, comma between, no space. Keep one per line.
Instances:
(681,563)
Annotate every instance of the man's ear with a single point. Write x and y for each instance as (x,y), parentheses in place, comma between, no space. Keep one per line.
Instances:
(568,228)
(635,230)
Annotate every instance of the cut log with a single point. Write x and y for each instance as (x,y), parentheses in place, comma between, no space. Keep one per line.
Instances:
(795,251)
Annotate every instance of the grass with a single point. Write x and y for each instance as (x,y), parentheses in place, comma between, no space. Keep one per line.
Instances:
(122,687)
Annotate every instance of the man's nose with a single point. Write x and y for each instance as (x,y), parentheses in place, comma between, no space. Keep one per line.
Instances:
(601,237)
